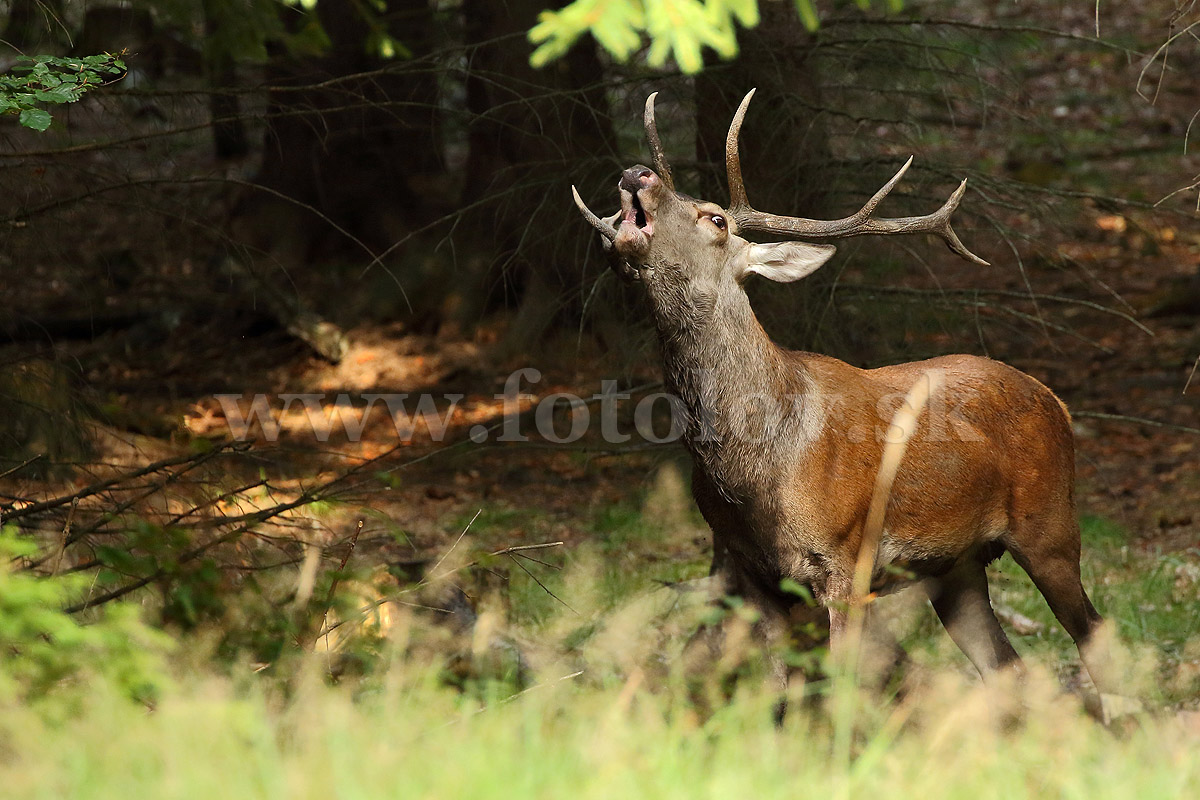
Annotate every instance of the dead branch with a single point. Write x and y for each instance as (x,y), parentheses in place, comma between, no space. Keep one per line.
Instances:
(1033,297)
(1153,423)
(100,486)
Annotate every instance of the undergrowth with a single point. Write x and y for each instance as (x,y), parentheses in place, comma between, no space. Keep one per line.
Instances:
(572,682)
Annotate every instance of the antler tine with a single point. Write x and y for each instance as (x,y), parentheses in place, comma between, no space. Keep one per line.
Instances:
(656,150)
(857,224)
(869,207)
(733,161)
(937,223)
(603,226)
(947,233)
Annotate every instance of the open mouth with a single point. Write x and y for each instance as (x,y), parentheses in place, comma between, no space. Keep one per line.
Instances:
(635,213)
(639,213)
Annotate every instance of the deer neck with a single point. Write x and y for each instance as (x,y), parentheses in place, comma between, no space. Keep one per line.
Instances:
(741,393)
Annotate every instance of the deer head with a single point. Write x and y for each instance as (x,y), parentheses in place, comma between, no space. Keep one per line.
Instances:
(675,243)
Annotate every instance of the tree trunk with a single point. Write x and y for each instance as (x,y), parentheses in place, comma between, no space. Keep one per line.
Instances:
(532,133)
(353,152)
(355,135)
(228,130)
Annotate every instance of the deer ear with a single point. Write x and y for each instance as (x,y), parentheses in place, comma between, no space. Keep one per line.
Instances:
(783,261)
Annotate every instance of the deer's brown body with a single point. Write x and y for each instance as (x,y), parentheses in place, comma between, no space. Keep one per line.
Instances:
(786,445)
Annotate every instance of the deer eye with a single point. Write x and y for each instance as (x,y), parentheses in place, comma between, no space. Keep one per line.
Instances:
(719,221)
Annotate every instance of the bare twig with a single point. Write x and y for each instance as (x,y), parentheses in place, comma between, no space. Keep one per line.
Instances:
(951,295)
(1134,421)
(545,588)
(337,579)
(21,466)
(249,520)
(977,26)
(121,591)
(456,541)
(516,696)
(65,540)
(213,501)
(1163,50)
(100,486)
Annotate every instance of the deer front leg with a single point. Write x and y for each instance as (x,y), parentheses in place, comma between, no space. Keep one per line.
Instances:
(837,598)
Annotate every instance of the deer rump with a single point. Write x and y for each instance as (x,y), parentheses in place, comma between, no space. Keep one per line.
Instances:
(786,445)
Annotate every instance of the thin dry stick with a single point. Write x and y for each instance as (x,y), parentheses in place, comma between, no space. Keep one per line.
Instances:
(451,550)
(337,579)
(154,488)
(1163,49)
(972,297)
(214,501)
(513,697)
(545,588)
(1192,375)
(538,561)
(21,466)
(196,552)
(100,486)
(1134,421)
(245,522)
(66,538)
(904,421)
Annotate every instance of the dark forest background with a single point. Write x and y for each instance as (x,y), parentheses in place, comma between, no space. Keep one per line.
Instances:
(359,162)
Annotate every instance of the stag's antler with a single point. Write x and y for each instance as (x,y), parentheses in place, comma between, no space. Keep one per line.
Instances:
(857,224)
(604,226)
(656,150)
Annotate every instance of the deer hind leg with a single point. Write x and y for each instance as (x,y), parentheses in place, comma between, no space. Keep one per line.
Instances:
(960,598)
(1049,552)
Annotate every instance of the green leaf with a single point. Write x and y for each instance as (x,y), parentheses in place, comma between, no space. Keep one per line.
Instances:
(792,587)
(60,94)
(35,118)
(687,54)
(808,15)
(746,11)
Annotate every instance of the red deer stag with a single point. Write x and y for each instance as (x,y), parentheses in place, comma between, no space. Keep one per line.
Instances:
(786,445)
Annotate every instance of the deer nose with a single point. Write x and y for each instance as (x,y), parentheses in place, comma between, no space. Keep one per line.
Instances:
(638,177)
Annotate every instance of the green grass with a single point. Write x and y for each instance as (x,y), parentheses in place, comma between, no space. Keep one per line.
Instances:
(629,548)
(412,738)
(605,708)
(1152,598)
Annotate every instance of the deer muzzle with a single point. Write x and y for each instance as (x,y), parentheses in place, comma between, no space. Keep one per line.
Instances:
(638,188)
